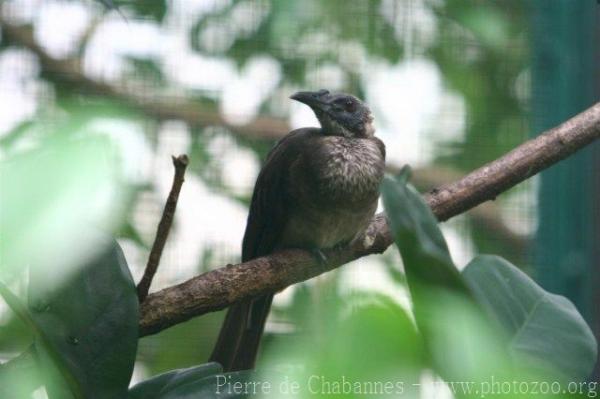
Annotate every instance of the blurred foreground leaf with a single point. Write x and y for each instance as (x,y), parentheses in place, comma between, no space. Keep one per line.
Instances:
(91,320)
(540,335)
(421,243)
(50,195)
(546,331)
(204,381)
(19,377)
(155,387)
(356,345)
(461,342)
(45,346)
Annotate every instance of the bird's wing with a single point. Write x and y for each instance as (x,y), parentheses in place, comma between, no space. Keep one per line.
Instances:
(380,144)
(269,209)
(238,341)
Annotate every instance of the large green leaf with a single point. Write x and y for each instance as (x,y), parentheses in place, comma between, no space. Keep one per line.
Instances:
(546,331)
(91,321)
(461,341)
(204,381)
(536,333)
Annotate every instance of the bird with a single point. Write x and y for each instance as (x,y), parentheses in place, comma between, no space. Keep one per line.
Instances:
(318,189)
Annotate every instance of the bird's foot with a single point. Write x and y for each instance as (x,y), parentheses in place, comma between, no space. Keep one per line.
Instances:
(319,256)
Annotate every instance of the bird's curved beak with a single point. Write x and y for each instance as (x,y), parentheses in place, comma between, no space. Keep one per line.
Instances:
(317,100)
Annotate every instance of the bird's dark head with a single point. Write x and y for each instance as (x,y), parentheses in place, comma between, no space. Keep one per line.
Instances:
(339,114)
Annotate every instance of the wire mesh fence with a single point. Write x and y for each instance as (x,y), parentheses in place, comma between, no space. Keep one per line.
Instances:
(448,82)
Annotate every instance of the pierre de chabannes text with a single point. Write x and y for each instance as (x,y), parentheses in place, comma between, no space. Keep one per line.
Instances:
(321,385)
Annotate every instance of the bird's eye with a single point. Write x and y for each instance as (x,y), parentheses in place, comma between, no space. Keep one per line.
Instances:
(350,106)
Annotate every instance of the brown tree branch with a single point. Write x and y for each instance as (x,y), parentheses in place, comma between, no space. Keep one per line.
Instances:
(162,232)
(220,288)
(71,72)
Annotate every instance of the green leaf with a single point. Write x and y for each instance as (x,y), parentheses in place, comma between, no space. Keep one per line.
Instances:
(158,385)
(458,336)
(19,377)
(63,377)
(204,381)
(546,331)
(418,237)
(543,334)
(379,339)
(360,337)
(91,321)
(488,24)
(50,195)
(152,9)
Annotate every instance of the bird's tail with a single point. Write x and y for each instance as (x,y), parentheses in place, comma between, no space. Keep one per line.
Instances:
(237,345)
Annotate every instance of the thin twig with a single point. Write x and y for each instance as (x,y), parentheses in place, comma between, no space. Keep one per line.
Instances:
(162,232)
(220,288)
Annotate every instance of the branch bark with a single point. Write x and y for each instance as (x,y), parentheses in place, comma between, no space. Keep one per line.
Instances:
(487,215)
(162,232)
(220,288)
(70,71)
